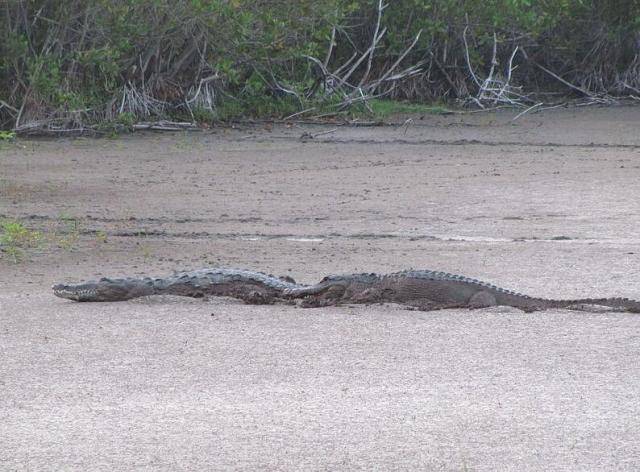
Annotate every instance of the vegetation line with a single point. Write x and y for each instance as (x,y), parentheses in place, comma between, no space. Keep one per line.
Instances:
(106,66)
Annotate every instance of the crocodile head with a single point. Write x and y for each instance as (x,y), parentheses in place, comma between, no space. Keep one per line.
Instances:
(103,290)
(332,283)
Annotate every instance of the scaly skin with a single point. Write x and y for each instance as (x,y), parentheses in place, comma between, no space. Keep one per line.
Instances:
(252,287)
(421,289)
(430,290)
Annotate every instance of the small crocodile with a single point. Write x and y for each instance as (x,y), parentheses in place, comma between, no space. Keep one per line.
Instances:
(430,290)
(249,286)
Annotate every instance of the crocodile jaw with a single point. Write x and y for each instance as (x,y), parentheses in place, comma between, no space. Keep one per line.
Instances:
(79,293)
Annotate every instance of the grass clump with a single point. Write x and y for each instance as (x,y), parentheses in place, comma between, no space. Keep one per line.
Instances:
(386,108)
(15,238)
(67,237)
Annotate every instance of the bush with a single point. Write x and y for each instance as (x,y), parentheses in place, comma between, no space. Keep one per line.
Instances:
(83,62)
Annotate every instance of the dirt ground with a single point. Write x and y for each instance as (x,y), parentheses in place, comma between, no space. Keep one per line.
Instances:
(548,205)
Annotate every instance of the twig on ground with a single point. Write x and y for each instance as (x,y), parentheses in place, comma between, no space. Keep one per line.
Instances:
(165,126)
(301,112)
(315,135)
(406,124)
(524,112)
(551,107)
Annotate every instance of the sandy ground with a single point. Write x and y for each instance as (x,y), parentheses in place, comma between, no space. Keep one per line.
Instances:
(548,205)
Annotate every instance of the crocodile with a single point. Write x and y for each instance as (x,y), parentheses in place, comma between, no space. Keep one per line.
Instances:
(249,286)
(431,290)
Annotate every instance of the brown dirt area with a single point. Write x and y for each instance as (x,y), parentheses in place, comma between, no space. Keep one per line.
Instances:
(547,205)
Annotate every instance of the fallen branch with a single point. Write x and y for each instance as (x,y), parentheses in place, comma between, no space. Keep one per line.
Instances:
(301,112)
(165,126)
(527,111)
(315,135)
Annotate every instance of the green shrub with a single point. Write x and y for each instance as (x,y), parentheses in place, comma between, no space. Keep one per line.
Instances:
(225,59)
(15,238)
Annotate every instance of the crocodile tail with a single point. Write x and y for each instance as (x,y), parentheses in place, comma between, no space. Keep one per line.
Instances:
(622,304)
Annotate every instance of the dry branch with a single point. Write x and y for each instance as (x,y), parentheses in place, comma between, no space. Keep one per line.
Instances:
(495,89)
(165,126)
(376,39)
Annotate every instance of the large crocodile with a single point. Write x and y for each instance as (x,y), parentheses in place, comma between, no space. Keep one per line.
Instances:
(420,289)
(249,286)
(430,290)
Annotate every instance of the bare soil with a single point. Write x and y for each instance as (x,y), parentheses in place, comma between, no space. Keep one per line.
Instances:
(548,204)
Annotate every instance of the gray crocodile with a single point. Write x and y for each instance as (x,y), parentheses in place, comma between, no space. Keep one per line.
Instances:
(249,286)
(429,290)
(419,289)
